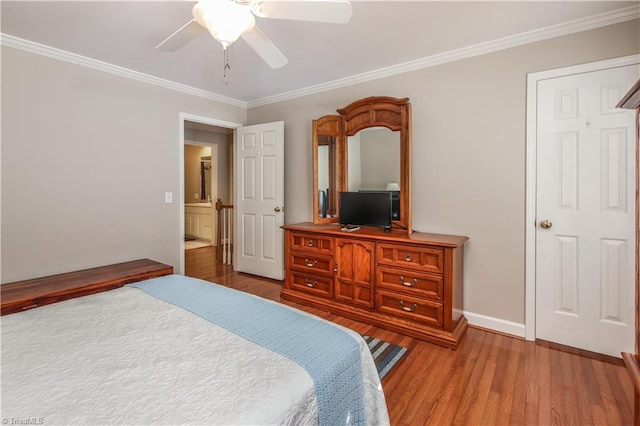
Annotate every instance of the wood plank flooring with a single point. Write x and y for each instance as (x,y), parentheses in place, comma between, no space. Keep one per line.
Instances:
(491,379)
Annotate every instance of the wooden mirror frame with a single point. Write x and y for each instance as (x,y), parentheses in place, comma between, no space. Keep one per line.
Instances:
(331,126)
(375,111)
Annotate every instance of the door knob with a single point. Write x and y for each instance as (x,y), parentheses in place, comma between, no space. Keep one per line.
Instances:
(277,210)
(545,224)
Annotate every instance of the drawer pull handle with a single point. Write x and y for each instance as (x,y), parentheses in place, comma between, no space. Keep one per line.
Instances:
(408,257)
(408,283)
(311,264)
(310,283)
(406,308)
(310,243)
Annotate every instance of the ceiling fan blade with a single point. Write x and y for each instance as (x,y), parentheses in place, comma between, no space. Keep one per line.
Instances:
(184,35)
(331,11)
(265,48)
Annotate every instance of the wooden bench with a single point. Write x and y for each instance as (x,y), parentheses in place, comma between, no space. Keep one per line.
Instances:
(22,295)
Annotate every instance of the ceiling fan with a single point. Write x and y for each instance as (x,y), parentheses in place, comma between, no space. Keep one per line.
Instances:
(227,20)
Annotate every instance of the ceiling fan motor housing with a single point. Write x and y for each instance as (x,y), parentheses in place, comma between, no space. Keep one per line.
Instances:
(226,20)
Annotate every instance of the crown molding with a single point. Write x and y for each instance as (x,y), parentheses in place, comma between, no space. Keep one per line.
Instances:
(571,27)
(596,21)
(62,55)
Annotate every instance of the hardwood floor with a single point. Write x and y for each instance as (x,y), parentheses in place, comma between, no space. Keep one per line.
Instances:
(491,379)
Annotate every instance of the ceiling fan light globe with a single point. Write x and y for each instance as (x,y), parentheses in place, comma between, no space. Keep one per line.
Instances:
(226,20)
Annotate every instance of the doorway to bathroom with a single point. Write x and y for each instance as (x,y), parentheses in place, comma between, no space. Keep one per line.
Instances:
(207,178)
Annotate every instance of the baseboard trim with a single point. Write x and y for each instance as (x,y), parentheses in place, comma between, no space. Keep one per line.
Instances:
(495,324)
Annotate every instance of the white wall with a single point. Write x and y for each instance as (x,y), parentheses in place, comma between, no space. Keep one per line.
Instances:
(354,175)
(380,157)
(86,159)
(468,152)
(323,167)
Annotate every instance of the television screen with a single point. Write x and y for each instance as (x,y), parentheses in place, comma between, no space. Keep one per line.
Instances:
(365,208)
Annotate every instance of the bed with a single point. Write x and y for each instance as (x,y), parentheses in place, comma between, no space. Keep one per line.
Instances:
(177,350)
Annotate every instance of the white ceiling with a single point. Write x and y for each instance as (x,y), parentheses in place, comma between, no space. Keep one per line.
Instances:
(381,34)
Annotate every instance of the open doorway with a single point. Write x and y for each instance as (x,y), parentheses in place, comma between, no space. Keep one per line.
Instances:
(206,176)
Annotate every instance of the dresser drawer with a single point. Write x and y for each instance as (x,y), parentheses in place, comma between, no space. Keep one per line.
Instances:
(312,285)
(311,263)
(413,308)
(411,282)
(311,243)
(419,258)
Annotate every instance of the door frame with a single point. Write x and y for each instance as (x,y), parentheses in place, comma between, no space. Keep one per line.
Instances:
(531,174)
(181,142)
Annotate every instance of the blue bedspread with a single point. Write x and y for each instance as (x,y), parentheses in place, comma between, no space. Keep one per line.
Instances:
(330,355)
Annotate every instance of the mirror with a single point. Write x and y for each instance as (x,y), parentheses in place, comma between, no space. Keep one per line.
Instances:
(326,136)
(372,142)
(373,159)
(205,178)
(373,164)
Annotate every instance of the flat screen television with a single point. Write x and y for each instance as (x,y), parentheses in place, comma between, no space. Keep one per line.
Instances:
(365,208)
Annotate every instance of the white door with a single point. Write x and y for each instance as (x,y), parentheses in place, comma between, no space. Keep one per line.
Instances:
(259,168)
(585,188)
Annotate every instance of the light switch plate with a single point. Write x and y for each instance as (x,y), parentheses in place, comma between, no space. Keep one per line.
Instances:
(168,197)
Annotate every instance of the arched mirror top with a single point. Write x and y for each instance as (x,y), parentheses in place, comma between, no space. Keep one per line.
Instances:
(376,111)
(328,125)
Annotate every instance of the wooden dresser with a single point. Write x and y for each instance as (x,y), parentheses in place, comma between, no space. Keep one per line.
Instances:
(408,284)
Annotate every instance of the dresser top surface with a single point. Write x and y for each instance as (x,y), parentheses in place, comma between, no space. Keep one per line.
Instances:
(378,234)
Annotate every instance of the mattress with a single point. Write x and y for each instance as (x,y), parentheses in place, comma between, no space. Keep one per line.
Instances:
(126,357)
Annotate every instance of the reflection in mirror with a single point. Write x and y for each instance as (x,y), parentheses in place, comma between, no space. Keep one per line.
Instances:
(373,159)
(326,176)
(326,168)
(205,178)
(373,163)
(323,180)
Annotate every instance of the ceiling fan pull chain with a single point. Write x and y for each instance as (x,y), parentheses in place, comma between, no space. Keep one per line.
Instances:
(226,66)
